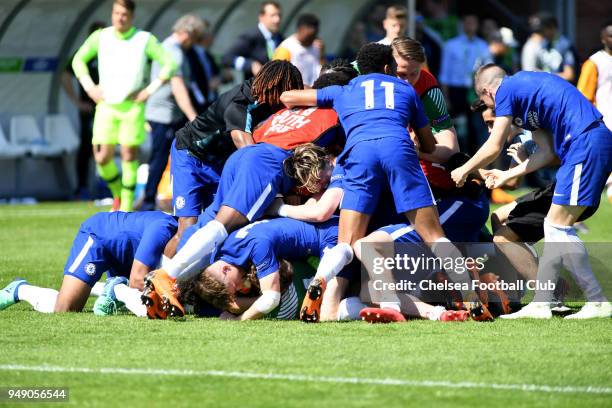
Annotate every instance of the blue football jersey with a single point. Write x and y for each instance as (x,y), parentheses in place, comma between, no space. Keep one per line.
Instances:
(264,243)
(537,100)
(373,106)
(130,236)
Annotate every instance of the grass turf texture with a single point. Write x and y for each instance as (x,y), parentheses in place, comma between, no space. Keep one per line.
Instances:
(34,242)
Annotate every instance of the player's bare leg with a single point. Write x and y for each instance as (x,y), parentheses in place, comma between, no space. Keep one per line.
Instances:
(72,295)
(352,226)
(427,224)
(183,224)
(558,231)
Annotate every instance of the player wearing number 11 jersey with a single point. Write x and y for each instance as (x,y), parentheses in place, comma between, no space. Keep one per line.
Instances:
(375,110)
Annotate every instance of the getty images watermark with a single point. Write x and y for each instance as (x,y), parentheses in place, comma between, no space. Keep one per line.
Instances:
(516,269)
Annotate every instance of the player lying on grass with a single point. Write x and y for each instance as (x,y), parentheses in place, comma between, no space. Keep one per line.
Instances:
(262,245)
(555,112)
(202,147)
(375,110)
(124,245)
(251,180)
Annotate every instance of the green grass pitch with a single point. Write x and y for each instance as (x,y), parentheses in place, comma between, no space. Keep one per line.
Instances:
(125,361)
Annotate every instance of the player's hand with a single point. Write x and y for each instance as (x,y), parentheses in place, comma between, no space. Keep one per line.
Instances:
(459,176)
(496,178)
(256,67)
(142,96)
(95,94)
(228,316)
(517,152)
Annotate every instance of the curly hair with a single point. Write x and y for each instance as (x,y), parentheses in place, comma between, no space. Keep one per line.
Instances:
(275,77)
(373,57)
(306,165)
(202,287)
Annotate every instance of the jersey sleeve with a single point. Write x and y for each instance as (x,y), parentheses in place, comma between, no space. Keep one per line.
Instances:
(235,118)
(159,54)
(435,108)
(86,53)
(264,258)
(327,95)
(418,119)
(154,240)
(503,100)
(337,177)
(587,83)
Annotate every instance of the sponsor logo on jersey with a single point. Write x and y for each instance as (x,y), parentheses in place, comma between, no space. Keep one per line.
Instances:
(532,118)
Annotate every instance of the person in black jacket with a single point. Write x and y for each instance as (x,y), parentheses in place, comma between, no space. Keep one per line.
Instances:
(202,146)
(255,47)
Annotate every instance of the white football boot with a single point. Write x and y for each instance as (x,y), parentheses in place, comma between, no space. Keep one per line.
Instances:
(591,310)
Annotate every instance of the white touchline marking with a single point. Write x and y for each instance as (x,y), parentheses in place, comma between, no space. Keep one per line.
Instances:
(311,378)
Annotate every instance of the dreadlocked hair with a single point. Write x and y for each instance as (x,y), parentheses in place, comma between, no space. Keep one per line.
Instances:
(306,165)
(275,77)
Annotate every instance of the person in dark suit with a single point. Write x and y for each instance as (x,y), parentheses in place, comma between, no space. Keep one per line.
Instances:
(255,47)
(205,73)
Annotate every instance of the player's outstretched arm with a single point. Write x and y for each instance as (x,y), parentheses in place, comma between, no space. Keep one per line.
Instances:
(427,142)
(314,210)
(269,299)
(487,152)
(307,97)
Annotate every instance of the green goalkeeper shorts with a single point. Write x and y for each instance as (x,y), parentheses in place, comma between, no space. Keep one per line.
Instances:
(122,123)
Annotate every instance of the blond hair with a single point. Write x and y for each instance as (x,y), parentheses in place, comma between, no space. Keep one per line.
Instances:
(306,166)
(409,49)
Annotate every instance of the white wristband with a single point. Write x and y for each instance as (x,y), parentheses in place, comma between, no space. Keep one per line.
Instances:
(87,83)
(282,210)
(268,300)
(154,86)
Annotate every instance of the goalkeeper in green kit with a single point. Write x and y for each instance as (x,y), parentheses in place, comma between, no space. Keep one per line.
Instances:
(122,52)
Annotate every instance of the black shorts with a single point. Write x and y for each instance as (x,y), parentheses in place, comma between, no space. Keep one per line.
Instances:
(527,219)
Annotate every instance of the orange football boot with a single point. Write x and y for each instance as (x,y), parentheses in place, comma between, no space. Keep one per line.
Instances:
(116,204)
(153,303)
(311,306)
(165,287)
(499,196)
(378,315)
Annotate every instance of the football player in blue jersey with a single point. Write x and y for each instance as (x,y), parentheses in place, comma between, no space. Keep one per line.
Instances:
(375,110)
(559,116)
(124,245)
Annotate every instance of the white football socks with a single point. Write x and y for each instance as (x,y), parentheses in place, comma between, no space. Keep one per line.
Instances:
(97,289)
(349,308)
(131,298)
(333,260)
(562,246)
(42,299)
(200,245)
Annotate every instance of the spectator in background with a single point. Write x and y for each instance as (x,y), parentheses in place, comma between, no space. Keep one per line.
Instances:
(303,49)
(533,45)
(501,46)
(205,73)
(355,40)
(86,106)
(374,19)
(432,44)
(167,109)
(557,53)
(461,57)
(394,24)
(595,83)
(440,20)
(255,47)
(122,52)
